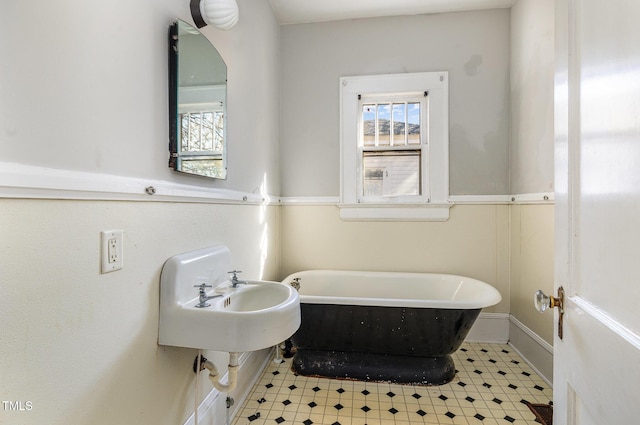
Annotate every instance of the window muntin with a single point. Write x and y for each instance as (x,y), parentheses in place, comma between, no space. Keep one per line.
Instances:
(379,118)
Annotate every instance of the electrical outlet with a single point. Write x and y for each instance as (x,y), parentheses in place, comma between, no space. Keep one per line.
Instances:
(111,250)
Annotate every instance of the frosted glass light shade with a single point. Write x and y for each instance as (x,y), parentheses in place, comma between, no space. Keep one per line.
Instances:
(222,14)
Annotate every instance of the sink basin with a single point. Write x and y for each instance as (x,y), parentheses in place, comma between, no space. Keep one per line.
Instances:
(258,297)
(252,316)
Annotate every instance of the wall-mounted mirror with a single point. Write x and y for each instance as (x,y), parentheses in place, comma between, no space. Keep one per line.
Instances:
(197,104)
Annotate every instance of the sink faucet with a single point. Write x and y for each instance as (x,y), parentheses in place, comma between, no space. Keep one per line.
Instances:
(296,283)
(203,295)
(234,279)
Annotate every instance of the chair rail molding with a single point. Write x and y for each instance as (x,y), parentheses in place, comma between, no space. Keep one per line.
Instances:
(33,182)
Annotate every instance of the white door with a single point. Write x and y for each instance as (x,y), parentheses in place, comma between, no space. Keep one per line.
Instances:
(597,363)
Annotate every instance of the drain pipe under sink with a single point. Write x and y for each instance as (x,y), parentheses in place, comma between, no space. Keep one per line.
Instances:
(214,375)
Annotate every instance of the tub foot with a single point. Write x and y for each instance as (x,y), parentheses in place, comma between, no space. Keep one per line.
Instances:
(288,351)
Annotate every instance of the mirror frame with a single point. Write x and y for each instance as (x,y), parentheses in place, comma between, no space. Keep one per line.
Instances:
(173,95)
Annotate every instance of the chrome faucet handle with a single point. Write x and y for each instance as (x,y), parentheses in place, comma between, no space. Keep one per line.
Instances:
(235,274)
(202,286)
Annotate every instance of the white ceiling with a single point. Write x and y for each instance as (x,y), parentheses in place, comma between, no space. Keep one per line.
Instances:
(302,11)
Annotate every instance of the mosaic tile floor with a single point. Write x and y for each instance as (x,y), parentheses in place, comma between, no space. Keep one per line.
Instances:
(490,388)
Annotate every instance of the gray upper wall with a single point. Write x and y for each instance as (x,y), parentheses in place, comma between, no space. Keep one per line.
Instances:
(472,46)
(532,74)
(86,89)
(69,102)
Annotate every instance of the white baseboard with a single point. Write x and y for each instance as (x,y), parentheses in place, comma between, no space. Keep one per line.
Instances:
(213,409)
(503,328)
(490,327)
(534,350)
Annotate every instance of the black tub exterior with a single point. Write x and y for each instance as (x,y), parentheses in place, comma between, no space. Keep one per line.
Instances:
(395,344)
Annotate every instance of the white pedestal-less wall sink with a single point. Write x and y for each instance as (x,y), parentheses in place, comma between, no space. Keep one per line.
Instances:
(250,316)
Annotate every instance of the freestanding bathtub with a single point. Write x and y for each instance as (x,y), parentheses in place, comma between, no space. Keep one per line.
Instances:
(384,326)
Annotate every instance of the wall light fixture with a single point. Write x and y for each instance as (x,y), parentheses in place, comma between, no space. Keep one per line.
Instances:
(222,14)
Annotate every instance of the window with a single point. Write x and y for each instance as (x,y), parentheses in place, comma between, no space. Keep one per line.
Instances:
(390,147)
(394,145)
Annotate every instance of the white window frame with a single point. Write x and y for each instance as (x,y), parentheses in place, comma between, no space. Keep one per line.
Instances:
(432,204)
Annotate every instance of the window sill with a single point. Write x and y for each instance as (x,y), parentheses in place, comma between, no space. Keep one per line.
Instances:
(381,212)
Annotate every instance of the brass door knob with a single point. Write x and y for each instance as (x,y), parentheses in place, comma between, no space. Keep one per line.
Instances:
(544,302)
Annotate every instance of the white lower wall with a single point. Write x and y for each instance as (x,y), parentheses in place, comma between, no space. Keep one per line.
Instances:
(531,268)
(474,242)
(213,409)
(81,346)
